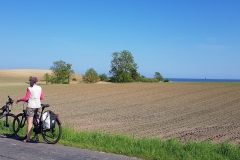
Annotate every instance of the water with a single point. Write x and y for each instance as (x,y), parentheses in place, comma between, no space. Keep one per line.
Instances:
(202,80)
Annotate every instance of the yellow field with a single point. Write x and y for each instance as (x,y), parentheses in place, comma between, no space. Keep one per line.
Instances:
(188,111)
(21,76)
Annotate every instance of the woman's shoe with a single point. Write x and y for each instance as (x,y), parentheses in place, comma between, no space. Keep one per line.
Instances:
(26,140)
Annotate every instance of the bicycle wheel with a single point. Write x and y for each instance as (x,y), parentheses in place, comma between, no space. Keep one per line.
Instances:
(20,129)
(52,136)
(7,126)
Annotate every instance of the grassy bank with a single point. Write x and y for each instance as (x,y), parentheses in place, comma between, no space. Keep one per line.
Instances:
(151,149)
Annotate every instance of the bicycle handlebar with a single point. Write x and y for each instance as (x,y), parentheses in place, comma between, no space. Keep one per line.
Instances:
(10,101)
(5,108)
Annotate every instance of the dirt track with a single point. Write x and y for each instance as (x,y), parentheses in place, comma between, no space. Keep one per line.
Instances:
(188,111)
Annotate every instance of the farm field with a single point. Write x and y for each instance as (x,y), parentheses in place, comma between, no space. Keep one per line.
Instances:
(187,111)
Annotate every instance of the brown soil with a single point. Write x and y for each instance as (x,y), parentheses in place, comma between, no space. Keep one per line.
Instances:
(187,111)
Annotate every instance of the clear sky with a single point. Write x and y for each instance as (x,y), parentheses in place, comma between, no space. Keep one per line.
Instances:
(178,38)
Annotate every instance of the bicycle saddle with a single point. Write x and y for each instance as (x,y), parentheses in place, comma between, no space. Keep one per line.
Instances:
(45,105)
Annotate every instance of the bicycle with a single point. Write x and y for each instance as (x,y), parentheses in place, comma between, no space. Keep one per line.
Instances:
(51,136)
(7,119)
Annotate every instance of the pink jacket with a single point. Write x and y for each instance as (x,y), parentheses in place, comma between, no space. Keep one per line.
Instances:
(28,95)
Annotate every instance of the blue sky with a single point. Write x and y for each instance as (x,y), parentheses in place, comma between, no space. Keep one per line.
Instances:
(178,38)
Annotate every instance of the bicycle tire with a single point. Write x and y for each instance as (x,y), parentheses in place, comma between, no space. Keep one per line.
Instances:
(21,129)
(7,126)
(52,136)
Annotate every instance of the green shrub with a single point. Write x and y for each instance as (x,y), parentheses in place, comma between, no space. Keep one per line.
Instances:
(167,80)
(90,76)
(143,79)
(123,77)
(103,77)
(74,79)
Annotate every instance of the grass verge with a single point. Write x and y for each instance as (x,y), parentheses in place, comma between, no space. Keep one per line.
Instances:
(149,148)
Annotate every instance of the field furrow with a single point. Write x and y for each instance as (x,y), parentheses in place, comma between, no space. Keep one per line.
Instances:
(188,111)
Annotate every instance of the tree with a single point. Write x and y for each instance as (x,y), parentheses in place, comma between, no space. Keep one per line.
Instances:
(90,76)
(158,76)
(123,67)
(62,71)
(69,72)
(47,77)
(135,75)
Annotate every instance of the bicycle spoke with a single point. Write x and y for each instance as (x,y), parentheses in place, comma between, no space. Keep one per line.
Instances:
(52,136)
(21,129)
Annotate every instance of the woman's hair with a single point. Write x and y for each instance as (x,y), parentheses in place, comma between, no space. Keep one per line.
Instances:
(33,81)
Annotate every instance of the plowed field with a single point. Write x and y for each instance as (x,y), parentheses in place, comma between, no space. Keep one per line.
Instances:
(187,111)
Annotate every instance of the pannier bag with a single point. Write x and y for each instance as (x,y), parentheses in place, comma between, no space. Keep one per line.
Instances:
(37,130)
(49,119)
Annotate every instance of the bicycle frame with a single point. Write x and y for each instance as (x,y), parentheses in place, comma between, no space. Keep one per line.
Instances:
(6,107)
(47,134)
(22,124)
(23,120)
(6,119)
(7,110)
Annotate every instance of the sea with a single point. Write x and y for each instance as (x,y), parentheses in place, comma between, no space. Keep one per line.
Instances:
(202,80)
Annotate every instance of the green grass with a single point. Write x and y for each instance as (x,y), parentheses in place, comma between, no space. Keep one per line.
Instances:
(144,148)
(6,129)
(147,148)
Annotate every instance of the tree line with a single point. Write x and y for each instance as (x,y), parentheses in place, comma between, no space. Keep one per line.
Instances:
(123,70)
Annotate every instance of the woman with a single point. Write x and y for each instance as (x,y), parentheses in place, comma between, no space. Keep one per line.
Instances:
(33,96)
